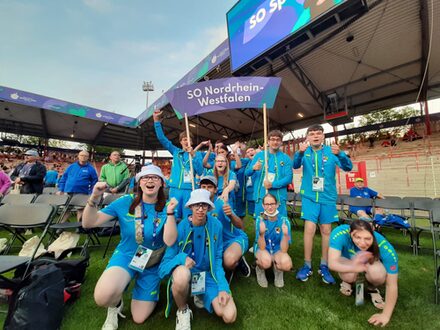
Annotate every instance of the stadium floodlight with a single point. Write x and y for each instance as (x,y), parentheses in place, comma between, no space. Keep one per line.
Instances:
(147,87)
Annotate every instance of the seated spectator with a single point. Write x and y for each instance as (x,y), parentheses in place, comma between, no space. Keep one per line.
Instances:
(411,135)
(360,191)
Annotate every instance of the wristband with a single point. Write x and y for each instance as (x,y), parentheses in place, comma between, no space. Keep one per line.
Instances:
(91,203)
(168,213)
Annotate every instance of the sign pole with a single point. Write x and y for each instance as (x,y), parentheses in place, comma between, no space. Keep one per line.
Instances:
(189,154)
(265,143)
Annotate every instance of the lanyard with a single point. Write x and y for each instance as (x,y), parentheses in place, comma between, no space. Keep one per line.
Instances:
(181,159)
(156,223)
(315,163)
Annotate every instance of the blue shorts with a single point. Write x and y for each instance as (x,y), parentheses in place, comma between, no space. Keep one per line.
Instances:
(318,213)
(355,209)
(211,292)
(147,283)
(182,196)
(240,240)
(240,206)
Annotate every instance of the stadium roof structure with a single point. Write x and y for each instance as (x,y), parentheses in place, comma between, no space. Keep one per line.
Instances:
(363,56)
(370,55)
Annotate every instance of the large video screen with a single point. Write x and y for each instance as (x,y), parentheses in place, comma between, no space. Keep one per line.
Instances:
(254,26)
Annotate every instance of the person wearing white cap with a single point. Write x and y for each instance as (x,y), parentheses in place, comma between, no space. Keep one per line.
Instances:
(194,264)
(147,227)
(30,174)
(235,240)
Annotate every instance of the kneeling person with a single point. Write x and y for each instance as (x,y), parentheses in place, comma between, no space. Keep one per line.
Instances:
(356,249)
(272,239)
(235,240)
(194,263)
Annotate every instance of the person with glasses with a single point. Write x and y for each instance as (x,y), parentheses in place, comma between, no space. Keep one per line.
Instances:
(272,239)
(235,240)
(318,191)
(147,227)
(357,248)
(195,264)
(279,174)
(30,174)
(180,179)
(226,180)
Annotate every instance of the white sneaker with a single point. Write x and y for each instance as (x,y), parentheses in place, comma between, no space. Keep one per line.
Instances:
(198,301)
(261,277)
(183,319)
(278,277)
(111,322)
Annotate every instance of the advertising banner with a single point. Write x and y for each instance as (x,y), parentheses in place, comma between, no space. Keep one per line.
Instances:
(227,93)
(39,101)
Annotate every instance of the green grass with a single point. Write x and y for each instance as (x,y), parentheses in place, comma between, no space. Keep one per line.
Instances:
(309,305)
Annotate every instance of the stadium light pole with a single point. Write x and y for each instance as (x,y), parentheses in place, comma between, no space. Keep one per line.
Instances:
(148,87)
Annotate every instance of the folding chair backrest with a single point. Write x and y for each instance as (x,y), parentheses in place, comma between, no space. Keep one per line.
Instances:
(290,196)
(298,197)
(79,200)
(393,204)
(50,190)
(423,205)
(393,198)
(361,202)
(109,199)
(417,199)
(25,216)
(56,200)
(18,199)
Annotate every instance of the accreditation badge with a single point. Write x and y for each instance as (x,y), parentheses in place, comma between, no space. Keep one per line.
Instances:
(249,182)
(271,177)
(198,283)
(317,184)
(186,176)
(140,258)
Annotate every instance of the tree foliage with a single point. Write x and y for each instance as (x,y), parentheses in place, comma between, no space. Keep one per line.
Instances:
(383,116)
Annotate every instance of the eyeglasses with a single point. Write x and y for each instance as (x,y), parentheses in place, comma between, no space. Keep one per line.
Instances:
(202,206)
(270,204)
(150,178)
(273,139)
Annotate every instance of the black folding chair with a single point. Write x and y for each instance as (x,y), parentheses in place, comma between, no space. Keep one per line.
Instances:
(16,219)
(424,207)
(50,190)
(18,199)
(111,224)
(77,201)
(290,206)
(435,231)
(397,205)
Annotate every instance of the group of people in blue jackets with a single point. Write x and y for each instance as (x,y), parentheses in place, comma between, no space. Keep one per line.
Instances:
(196,237)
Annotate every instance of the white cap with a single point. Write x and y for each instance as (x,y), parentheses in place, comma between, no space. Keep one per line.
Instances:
(200,196)
(32,152)
(150,170)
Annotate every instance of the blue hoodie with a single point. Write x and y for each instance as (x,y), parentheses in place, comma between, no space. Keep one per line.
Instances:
(78,179)
(176,255)
(278,164)
(180,161)
(321,163)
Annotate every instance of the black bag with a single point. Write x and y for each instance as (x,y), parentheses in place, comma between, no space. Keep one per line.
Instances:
(73,267)
(38,304)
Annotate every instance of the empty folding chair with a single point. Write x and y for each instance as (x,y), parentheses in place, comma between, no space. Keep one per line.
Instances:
(435,231)
(18,199)
(111,224)
(77,201)
(16,219)
(49,190)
